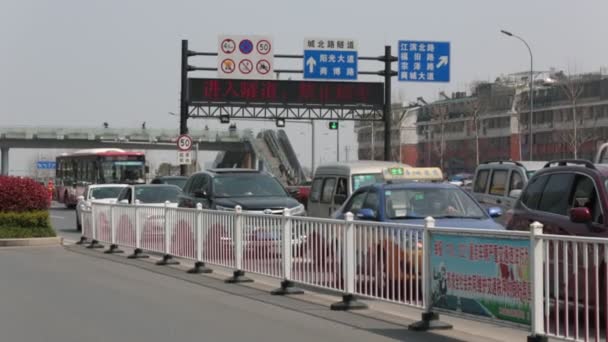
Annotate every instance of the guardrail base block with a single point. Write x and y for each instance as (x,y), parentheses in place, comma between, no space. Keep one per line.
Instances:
(82,240)
(167,260)
(287,288)
(95,244)
(113,250)
(430,321)
(348,302)
(199,267)
(238,277)
(537,338)
(138,254)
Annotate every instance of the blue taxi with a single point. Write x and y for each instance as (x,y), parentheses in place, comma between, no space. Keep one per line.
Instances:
(405,199)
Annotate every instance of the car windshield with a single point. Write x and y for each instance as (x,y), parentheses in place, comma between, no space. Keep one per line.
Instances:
(176,181)
(364,179)
(157,194)
(247,185)
(105,192)
(435,202)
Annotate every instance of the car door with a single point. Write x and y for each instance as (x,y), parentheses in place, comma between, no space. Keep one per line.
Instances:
(497,188)
(327,196)
(480,185)
(354,203)
(202,191)
(314,200)
(554,203)
(340,194)
(516,182)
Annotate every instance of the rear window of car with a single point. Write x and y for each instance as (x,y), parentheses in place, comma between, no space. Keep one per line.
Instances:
(499,182)
(481,181)
(533,192)
(556,193)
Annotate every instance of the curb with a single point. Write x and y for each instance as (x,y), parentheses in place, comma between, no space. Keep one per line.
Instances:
(50,241)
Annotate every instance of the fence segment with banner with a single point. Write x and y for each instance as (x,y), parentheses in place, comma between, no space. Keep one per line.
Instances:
(552,285)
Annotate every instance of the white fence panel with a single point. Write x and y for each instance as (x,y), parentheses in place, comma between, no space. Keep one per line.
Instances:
(262,244)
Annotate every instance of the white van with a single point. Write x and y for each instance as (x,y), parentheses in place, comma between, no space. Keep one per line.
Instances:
(333,183)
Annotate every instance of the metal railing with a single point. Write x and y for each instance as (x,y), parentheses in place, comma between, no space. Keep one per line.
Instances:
(550,284)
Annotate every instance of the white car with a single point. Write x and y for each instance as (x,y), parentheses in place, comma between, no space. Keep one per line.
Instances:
(97,193)
(150,194)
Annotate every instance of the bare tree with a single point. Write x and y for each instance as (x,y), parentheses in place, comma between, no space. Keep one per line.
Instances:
(573,86)
(475,108)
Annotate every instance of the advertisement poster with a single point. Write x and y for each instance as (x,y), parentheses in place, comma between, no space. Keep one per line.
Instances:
(487,277)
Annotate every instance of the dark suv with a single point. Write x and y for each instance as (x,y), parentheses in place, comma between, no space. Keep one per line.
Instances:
(253,190)
(568,197)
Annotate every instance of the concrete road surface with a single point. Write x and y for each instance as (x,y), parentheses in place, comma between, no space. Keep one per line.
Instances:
(63,221)
(54,294)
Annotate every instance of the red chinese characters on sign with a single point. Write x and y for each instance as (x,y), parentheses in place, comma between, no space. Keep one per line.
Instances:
(438,248)
(486,285)
(367,94)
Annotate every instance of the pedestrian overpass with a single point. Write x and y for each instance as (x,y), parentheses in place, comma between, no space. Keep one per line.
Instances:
(239,148)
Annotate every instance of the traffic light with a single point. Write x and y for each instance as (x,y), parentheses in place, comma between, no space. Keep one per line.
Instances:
(333,125)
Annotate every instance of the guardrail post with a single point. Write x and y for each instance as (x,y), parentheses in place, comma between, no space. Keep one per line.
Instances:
(167,257)
(199,265)
(430,320)
(94,243)
(349,301)
(113,246)
(287,286)
(536,270)
(238,275)
(83,238)
(137,252)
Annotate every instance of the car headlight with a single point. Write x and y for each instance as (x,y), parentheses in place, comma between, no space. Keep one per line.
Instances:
(219,207)
(298,211)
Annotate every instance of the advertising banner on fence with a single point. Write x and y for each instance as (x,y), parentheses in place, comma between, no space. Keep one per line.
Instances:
(481,276)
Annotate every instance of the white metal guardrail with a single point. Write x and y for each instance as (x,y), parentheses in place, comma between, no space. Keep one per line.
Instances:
(553,285)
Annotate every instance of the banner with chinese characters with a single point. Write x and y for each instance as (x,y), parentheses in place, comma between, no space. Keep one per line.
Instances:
(483,276)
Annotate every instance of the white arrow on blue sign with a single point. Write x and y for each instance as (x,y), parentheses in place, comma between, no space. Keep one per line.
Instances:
(330,59)
(424,61)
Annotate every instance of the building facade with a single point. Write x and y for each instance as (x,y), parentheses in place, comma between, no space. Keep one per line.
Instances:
(491,123)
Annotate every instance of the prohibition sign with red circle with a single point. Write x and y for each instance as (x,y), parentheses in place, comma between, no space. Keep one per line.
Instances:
(228,66)
(263,67)
(228,46)
(263,47)
(245,66)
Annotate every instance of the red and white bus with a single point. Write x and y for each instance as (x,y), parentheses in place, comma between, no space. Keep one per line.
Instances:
(74,171)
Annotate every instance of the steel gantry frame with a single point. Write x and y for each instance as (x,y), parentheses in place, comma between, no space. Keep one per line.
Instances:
(295,111)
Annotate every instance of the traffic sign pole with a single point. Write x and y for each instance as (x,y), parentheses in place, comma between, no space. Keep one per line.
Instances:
(183,110)
(388,74)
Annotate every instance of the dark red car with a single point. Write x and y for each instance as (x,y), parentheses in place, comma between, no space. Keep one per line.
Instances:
(569,197)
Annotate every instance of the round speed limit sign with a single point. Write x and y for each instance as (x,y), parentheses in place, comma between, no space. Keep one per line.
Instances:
(184,142)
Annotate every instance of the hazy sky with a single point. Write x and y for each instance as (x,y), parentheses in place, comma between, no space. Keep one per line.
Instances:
(79,63)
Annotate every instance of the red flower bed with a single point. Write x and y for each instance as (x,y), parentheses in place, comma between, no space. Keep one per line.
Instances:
(22,194)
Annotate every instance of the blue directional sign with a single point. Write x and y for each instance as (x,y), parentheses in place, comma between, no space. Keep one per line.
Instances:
(330,59)
(423,61)
(45,165)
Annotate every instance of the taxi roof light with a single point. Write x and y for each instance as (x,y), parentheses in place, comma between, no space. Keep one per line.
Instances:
(413,173)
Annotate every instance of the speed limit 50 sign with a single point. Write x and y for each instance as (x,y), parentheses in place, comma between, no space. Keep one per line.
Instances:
(184,142)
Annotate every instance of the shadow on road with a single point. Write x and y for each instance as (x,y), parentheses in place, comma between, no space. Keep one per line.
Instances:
(351,319)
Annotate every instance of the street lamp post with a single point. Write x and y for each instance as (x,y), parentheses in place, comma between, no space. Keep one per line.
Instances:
(531,88)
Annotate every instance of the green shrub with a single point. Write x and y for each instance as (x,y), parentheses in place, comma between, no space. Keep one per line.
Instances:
(23,233)
(25,219)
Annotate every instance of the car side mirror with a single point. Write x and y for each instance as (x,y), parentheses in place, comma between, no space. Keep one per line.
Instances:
(200,193)
(124,201)
(580,215)
(495,211)
(339,199)
(515,193)
(366,214)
